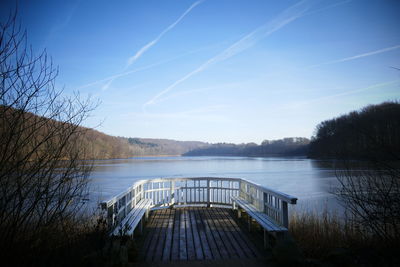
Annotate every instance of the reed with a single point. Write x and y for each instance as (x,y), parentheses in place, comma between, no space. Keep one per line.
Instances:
(339,240)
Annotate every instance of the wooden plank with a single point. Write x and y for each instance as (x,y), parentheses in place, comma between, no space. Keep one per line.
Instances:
(182,237)
(175,238)
(161,241)
(156,237)
(225,236)
(224,219)
(196,235)
(234,233)
(244,239)
(208,245)
(191,254)
(220,245)
(150,235)
(133,217)
(261,218)
(168,239)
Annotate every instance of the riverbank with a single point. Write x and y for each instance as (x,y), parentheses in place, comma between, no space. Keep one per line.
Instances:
(324,238)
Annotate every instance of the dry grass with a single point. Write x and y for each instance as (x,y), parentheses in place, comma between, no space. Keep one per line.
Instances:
(338,241)
(82,242)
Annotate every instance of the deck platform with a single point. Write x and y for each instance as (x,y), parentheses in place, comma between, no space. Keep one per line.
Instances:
(195,234)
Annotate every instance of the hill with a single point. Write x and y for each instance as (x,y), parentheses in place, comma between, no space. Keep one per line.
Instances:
(103,146)
(293,146)
(374,131)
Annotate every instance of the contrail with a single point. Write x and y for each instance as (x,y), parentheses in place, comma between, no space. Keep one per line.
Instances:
(328,97)
(380,51)
(161,62)
(153,42)
(146,47)
(374,86)
(287,16)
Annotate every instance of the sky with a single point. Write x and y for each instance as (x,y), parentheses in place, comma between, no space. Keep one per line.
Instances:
(218,70)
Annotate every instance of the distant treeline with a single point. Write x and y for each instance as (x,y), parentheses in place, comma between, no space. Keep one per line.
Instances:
(151,146)
(294,146)
(102,146)
(374,131)
(94,144)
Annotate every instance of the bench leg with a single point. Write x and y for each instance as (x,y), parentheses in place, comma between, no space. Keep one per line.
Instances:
(266,239)
(146,215)
(140,227)
(239,213)
(281,235)
(249,222)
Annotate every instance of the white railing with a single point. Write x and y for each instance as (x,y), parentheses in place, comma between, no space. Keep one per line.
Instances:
(207,191)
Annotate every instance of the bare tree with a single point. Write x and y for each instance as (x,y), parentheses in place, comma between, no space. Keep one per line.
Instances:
(370,188)
(42,177)
(371,192)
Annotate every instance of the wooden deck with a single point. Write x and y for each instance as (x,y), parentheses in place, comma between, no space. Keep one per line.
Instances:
(195,233)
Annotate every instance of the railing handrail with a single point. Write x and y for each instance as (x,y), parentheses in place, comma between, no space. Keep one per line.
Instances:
(288,198)
(202,190)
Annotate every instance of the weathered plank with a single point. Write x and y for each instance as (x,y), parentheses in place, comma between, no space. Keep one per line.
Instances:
(191,253)
(151,226)
(161,240)
(263,219)
(243,238)
(218,236)
(168,239)
(133,218)
(182,237)
(207,241)
(195,233)
(175,238)
(153,244)
(223,215)
(196,236)
(240,246)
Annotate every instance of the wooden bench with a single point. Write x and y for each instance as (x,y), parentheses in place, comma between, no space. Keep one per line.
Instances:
(268,224)
(134,218)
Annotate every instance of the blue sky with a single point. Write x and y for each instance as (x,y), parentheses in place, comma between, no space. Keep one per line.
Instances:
(219,70)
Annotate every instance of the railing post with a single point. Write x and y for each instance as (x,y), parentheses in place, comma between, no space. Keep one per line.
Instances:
(285,214)
(172,193)
(208,193)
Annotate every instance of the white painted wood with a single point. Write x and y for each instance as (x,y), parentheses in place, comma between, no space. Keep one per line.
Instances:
(129,223)
(263,219)
(198,190)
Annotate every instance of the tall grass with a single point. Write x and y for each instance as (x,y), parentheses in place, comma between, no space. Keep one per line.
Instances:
(80,242)
(64,244)
(319,233)
(329,238)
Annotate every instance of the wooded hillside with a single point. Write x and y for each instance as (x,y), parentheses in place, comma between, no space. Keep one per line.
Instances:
(102,146)
(294,146)
(374,131)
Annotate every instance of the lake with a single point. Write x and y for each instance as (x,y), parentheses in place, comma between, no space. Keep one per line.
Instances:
(311,181)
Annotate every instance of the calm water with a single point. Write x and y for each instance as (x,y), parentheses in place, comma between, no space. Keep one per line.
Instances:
(309,180)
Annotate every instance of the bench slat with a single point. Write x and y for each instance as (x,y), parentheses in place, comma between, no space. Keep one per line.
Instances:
(134,216)
(262,218)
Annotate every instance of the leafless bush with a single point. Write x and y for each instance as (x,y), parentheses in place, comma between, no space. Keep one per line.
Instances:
(371,192)
(42,180)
